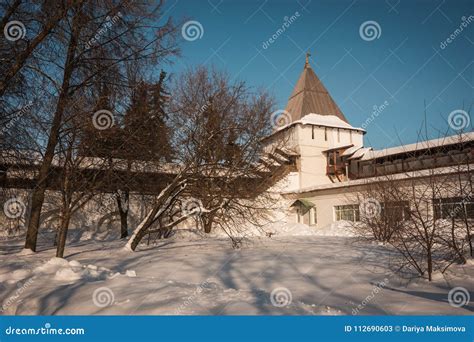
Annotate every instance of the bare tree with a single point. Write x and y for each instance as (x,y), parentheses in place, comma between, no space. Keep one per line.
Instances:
(41,19)
(217,126)
(425,212)
(96,40)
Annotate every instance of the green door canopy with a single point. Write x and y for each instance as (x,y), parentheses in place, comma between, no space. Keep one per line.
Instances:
(304,203)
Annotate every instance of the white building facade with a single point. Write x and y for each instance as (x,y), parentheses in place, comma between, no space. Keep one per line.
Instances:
(333,166)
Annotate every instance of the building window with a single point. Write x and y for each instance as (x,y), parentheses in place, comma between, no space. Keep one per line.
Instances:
(454,207)
(325,134)
(348,212)
(312,132)
(399,211)
(338,135)
(350,136)
(312,216)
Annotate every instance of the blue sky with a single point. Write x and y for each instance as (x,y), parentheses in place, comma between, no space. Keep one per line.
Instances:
(404,66)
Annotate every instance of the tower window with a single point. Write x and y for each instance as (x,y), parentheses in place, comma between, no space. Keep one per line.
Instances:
(312,132)
(338,135)
(325,134)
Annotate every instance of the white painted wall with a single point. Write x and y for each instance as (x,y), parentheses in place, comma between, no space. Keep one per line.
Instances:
(313,161)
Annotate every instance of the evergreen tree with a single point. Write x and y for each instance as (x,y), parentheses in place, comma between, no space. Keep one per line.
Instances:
(145,132)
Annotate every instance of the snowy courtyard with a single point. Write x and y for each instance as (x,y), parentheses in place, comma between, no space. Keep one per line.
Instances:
(282,275)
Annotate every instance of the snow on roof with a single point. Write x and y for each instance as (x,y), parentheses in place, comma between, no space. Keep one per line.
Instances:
(361,152)
(351,151)
(307,203)
(454,139)
(325,120)
(320,120)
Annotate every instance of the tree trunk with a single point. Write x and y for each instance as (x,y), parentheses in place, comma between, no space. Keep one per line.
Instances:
(468,231)
(63,229)
(137,238)
(123,206)
(207,222)
(453,239)
(38,192)
(164,201)
(430,264)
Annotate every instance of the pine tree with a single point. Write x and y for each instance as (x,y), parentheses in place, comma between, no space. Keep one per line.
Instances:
(146,132)
(158,131)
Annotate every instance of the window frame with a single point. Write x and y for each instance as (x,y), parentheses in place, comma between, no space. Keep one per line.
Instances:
(313,220)
(347,212)
(444,207)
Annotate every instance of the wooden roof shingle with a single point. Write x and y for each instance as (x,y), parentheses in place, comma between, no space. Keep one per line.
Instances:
(310,96)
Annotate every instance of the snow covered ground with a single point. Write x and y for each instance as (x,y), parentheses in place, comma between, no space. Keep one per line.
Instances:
(281,275)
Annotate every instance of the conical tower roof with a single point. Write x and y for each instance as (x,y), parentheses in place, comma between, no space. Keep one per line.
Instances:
(310,96)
